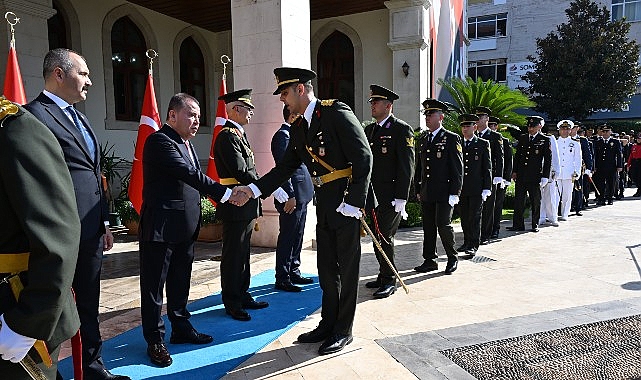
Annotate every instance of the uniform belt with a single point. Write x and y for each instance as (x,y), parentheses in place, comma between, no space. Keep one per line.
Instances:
(332,176)
(228,181)
(14,262)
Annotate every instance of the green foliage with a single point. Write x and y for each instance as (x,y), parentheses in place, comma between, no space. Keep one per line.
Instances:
(414,218)
(111,166)
(208,212)
(588,63)
(127,212)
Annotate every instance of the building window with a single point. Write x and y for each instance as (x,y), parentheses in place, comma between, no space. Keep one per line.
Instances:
(57,30)
(487,26)
(494,69)
(335,65)
(192,74)
(130,69)
(630,9)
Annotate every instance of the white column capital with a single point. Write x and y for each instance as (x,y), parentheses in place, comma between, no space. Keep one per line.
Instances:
(418,43)
(399,4)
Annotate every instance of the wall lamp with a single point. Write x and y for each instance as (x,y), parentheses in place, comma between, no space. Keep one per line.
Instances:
(406,69)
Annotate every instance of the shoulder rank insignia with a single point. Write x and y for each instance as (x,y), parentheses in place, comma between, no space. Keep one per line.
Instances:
(459,147)
(328,102)
(236,131)
(7,108)
(410,141)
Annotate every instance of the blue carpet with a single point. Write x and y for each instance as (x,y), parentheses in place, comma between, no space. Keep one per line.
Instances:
(234,341)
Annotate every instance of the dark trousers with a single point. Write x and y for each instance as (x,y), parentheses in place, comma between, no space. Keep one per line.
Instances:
(534,192)
(13,371)
(471,208)
(437,217)
(234,266)
(498,209)
(606,181)
(162,263)
(338,259)
(635,173)
(577,194)
(86,285)
(386,225)
(290,241)
(487,221)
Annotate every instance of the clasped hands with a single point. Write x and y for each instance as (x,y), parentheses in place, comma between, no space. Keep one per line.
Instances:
(241,194)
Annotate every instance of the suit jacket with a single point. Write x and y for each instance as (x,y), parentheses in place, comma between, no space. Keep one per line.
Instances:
(586,152)
(608,155)
(38,215)
(172,187)
(496,150)
(336,136)
(439,168)
(533,159)
(234,159)
(85,170)
(477,166)
(507,159)
(392,147)
(299,185)
(569,157)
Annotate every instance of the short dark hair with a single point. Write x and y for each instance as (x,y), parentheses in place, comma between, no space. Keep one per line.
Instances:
(286,113)
(59,57)
(179,101)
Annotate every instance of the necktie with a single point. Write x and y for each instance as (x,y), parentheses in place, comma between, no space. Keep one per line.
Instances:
(467,143)
(191,156)
(531,138)
(429,137)
(83,131)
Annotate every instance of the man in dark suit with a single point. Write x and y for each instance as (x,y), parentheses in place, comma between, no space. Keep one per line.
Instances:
(66,83)
(496,151)
(392,143)
(608,162)
(38,245)
(292,214)
(493,124)
(438,182)
(169,224)
(236,166)
(532,163)
(477,182)
(330,141)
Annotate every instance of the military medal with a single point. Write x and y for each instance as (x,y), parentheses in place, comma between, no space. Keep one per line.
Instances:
(536,151)
(321,151)
(438,154)
(476,158)
(384,149)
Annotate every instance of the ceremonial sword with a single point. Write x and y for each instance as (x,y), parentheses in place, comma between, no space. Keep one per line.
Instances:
(31,367)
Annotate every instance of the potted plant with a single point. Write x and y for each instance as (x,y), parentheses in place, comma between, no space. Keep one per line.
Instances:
(211,229)
(111,166)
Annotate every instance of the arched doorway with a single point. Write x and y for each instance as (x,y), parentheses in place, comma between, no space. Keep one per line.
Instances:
(335,66)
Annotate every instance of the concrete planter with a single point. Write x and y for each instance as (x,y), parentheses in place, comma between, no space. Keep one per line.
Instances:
(211,232)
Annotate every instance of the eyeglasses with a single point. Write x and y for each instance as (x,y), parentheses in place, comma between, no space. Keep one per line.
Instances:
(249,109)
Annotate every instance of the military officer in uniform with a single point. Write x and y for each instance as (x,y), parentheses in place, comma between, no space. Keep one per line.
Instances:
(496,151)
(438,181)
(392,143)
(587,165)
(38,245)
(235,164)
(330,141)
(477,182)
(569,165)
(531,171)
(493,123)
(608,162)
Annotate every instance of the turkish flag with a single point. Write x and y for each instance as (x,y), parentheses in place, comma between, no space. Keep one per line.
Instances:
(221,119)
(13,87)
(149,123)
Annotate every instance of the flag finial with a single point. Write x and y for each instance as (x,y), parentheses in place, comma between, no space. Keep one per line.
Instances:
(225,60)
(12,19)
(151,54)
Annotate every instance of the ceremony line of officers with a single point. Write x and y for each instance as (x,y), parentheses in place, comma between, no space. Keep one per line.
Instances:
(50,148)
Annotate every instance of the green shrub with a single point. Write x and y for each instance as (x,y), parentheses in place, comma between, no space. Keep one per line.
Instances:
(208,212)
(413,215)
(127,212)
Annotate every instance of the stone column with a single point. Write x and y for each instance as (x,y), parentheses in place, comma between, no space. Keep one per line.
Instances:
(408,42)
(267,34)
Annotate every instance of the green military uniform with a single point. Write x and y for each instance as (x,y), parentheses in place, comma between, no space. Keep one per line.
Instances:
(392,146)
(37,215)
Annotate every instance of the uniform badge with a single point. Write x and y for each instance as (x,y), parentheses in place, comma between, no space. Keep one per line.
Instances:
(536,151)
(438,154)
(459,147)
(410,141)
(476,158)
(611,143)
(384,149)
(321,151)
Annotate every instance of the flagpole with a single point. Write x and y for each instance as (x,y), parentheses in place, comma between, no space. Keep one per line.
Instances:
(16,20)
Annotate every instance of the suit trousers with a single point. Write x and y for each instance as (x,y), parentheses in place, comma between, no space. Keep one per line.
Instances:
(290,241)
(470,209)
(577,193)
(487,221)
(498,208)
(605,180)
(437,217)
(162,263)
(534,191)
(338,259)
(549,202)
(386,225)
(234,266)
(86,285)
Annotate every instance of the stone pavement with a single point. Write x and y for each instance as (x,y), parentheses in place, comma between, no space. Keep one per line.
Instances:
(585,270)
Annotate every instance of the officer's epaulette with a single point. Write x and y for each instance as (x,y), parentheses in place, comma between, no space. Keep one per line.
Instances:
(328,102)
(7,108)
(234,130)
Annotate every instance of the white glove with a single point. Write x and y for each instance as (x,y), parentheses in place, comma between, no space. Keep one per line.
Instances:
(13,346)
(504,184)
(496,180)
(348,210)
(588,172)
(280,195)
(485,193)
(399,206)
(544,181)
(452,200)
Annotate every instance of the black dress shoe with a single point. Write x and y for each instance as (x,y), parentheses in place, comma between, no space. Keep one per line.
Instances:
(101,374)
(300,280)
(159,355)
(334,344)
(373,284)
(485,241)
(254,305)
(384,291)
(287,286)
(239,314)
(427,266)
(193,337)
(451,267)
(495,235)
(314,336)
(462,248)
(534,229)
(471,251)
(515,228)
(610,201)
(578,213)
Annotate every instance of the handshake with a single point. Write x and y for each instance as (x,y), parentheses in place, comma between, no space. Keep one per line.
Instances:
(242,194)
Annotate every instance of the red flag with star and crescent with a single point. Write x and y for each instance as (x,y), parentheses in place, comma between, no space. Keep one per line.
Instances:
(13,87)
(221,119)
